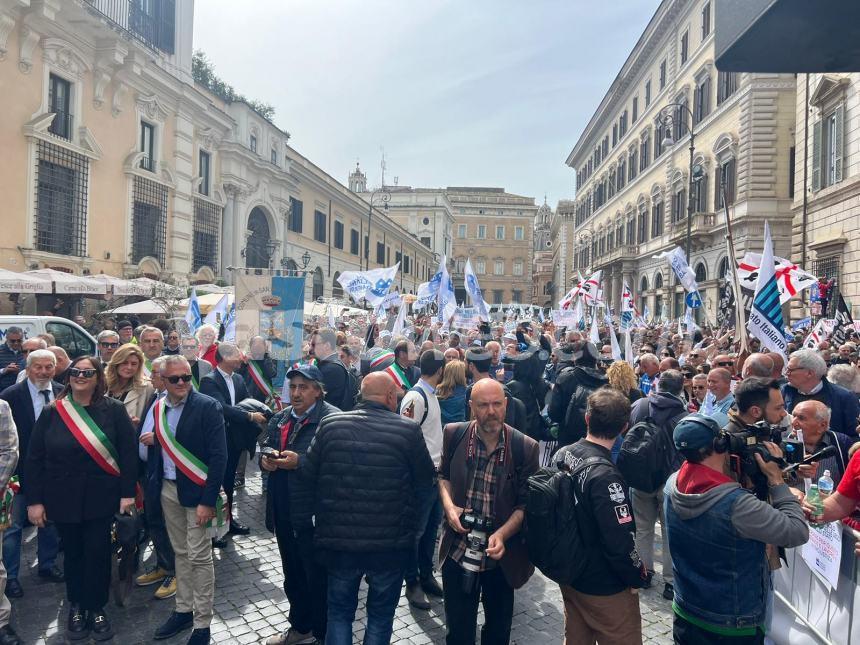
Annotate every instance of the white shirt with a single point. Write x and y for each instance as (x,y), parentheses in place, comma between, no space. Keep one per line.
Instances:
(38,399)
(229,380)
(432,426)
(174,413)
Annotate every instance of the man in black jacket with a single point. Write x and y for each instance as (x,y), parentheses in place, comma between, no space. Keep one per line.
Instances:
(289,505)
(602,605)
(666,408)
(323,347)
(578,377)
(228,388)
(364,467)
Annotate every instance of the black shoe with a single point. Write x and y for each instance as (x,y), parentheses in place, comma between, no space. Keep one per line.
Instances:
(239,483)
(14,589)
(669,591)
(176,623)
(415,596)
(54,574)
(100,625)
(78,626)
(431,587)
(238,529)
(648,579)
(219,543)
(200,637)
(8,636)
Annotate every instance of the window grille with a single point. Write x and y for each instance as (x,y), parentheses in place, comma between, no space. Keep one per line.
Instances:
(149,220)
(828,268)
(207,229)
(62,179)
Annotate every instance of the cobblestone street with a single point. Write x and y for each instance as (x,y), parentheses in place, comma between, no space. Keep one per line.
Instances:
(250,602)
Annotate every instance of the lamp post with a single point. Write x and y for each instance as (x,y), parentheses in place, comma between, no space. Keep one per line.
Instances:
(384,198)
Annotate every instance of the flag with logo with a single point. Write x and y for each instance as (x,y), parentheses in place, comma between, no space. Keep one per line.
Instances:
(843,323)
(230,324)
(591,289)
(371,285)
(790,278)
(218,313)
(570,296)
(192,314)
(765,321)
(819,334)
(628,307)
(474,291)
(678,262)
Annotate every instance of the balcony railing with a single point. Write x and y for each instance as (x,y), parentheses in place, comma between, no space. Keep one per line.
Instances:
(150,22)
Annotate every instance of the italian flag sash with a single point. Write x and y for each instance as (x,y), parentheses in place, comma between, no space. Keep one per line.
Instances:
(147,367)
(190,465)
(397,374)
(255,369)
(89,435)
(194,382)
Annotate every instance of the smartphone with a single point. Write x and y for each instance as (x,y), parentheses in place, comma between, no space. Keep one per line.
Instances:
(269,453)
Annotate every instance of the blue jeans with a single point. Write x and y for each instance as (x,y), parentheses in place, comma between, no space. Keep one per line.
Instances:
(382,596)
(429,506)
(47,541)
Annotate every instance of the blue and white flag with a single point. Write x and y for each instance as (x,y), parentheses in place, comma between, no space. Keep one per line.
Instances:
(192,314)
(594,334)
(803,323)
(628,347)
(474,291)
(678,262)
(646,314)
(218,313)
(446,301)
(765,321)
(613,340)
(371,285)
(230,324)
(628,308)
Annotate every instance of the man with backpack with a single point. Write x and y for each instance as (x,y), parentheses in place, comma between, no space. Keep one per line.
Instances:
(601,604)
(421,405)
(340,382)
(478,361)
(577,379)
(661,412)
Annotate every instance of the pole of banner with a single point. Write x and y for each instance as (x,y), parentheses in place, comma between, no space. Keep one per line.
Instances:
(740,322)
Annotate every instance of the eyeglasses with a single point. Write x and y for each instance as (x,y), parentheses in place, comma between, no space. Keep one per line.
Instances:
(789,370)
(173,380)
(14,341)
(108,345)
(189,348)
(74,372)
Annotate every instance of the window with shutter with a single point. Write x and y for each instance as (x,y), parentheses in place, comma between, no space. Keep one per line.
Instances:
(816,156)
(837,143)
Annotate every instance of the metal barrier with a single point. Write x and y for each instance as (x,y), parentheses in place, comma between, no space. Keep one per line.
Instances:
(805,612)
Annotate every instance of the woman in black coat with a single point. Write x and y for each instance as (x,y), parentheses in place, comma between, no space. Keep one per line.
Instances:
(81,470)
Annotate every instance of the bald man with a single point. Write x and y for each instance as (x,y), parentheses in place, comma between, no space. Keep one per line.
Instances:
(499,460)
(760,365)
(811,421)
(364,468)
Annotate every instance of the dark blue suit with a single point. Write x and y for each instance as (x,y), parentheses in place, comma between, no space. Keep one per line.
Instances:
(201,431)
(844,406)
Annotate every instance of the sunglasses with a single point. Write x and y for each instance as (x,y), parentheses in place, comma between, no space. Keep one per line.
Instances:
(109,345)
(173,380)
(725,364)
(74,372)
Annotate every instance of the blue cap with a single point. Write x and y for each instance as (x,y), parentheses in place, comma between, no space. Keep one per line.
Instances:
(310,372)
(695,432)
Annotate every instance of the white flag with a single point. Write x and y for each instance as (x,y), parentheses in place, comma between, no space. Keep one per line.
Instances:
(218,313)
(613,340)
(474,291)
(591,289)
(371,285)
(445,292)
(790,278)
(678,262)
(192,314)
(330,313)
(628,346)
(765,321)
(399,322)
(594,334)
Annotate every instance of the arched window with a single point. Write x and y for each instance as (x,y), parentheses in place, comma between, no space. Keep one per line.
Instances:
(658,281)
(701,273)
(336,288)
(643,284)
(318,288)
(724,268)
(257,251)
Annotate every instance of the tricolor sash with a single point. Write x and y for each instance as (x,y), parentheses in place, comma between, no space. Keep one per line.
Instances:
(395,371)
(89,435)
(190,465)
(255,369)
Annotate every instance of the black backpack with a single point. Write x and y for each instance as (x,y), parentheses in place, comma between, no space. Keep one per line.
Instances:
(423,396)
(648,456)
(554,541)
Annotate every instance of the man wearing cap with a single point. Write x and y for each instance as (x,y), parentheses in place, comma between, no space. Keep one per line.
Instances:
(290,501)
(125,330)
(420,404)
(715,525)
(578,377)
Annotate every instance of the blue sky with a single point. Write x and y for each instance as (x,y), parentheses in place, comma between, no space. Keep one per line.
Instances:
(465,92)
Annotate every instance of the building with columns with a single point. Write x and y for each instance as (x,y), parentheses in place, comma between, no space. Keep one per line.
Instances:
(116,162)
(633,166)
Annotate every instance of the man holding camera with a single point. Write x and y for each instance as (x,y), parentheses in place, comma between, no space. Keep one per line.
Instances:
(718,531)
(483,485)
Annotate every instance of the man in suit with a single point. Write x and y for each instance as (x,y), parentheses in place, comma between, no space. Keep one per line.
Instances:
(11,358)
(194,422)
(228,388)
(190,349)
(27,399)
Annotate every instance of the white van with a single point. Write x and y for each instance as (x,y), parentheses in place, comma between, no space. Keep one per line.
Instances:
(76,340)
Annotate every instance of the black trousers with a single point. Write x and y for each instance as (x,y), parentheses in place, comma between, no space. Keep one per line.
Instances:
(305,581)
(461,607)
(686,633)
(87,561)
(230,474)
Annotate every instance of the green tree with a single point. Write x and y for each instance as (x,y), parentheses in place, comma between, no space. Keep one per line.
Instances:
(203,72)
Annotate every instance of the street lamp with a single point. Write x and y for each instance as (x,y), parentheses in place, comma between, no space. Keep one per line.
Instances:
(696,170)
(384,198)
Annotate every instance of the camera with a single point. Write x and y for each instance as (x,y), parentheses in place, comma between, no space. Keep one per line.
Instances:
(743,445)
(479,528)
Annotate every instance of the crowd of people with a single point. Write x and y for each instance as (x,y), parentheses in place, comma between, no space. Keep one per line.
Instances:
(408,461)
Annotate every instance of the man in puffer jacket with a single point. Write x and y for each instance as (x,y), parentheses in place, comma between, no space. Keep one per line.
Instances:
(578,378)
(365,467)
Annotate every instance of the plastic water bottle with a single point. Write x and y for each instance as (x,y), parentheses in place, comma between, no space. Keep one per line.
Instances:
(813,498)
(825,485)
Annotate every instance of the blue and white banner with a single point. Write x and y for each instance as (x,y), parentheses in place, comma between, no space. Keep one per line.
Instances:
(230,324)
(371,285)
(613,339)
(765,321)
(678,262)
(803,323)
(475,293)
(446,301)
(192,315)
(218,313)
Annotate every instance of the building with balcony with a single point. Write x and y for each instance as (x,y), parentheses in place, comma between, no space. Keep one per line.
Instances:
(116,162)
(633,166)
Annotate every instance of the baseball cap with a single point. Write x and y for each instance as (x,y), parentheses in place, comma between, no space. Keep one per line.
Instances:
(309,371)
(124,324)
(695,432)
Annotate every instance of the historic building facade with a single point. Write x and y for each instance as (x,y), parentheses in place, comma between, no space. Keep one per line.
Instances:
(116,162)
(826,233)
(543,274)
(633,166)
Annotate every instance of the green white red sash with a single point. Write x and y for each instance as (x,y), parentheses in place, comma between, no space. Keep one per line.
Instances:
(398,375)
(255,369)
(89,435)
(190,465)
(194,382)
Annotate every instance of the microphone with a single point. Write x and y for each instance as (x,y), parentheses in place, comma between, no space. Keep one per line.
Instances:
(829,451)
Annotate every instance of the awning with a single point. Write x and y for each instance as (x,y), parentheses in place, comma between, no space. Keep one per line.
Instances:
(70,283)
(212,288)
(157,289)
(11,282)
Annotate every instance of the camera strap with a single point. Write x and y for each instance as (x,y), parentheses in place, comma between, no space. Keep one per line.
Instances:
(471,445)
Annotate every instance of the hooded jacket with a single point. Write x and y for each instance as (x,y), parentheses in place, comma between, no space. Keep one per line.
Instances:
(569,398)
(666,410)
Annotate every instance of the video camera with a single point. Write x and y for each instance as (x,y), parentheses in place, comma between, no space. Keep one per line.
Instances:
(743,445)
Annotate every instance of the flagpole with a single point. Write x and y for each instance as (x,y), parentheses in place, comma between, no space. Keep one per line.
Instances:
(740,322)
